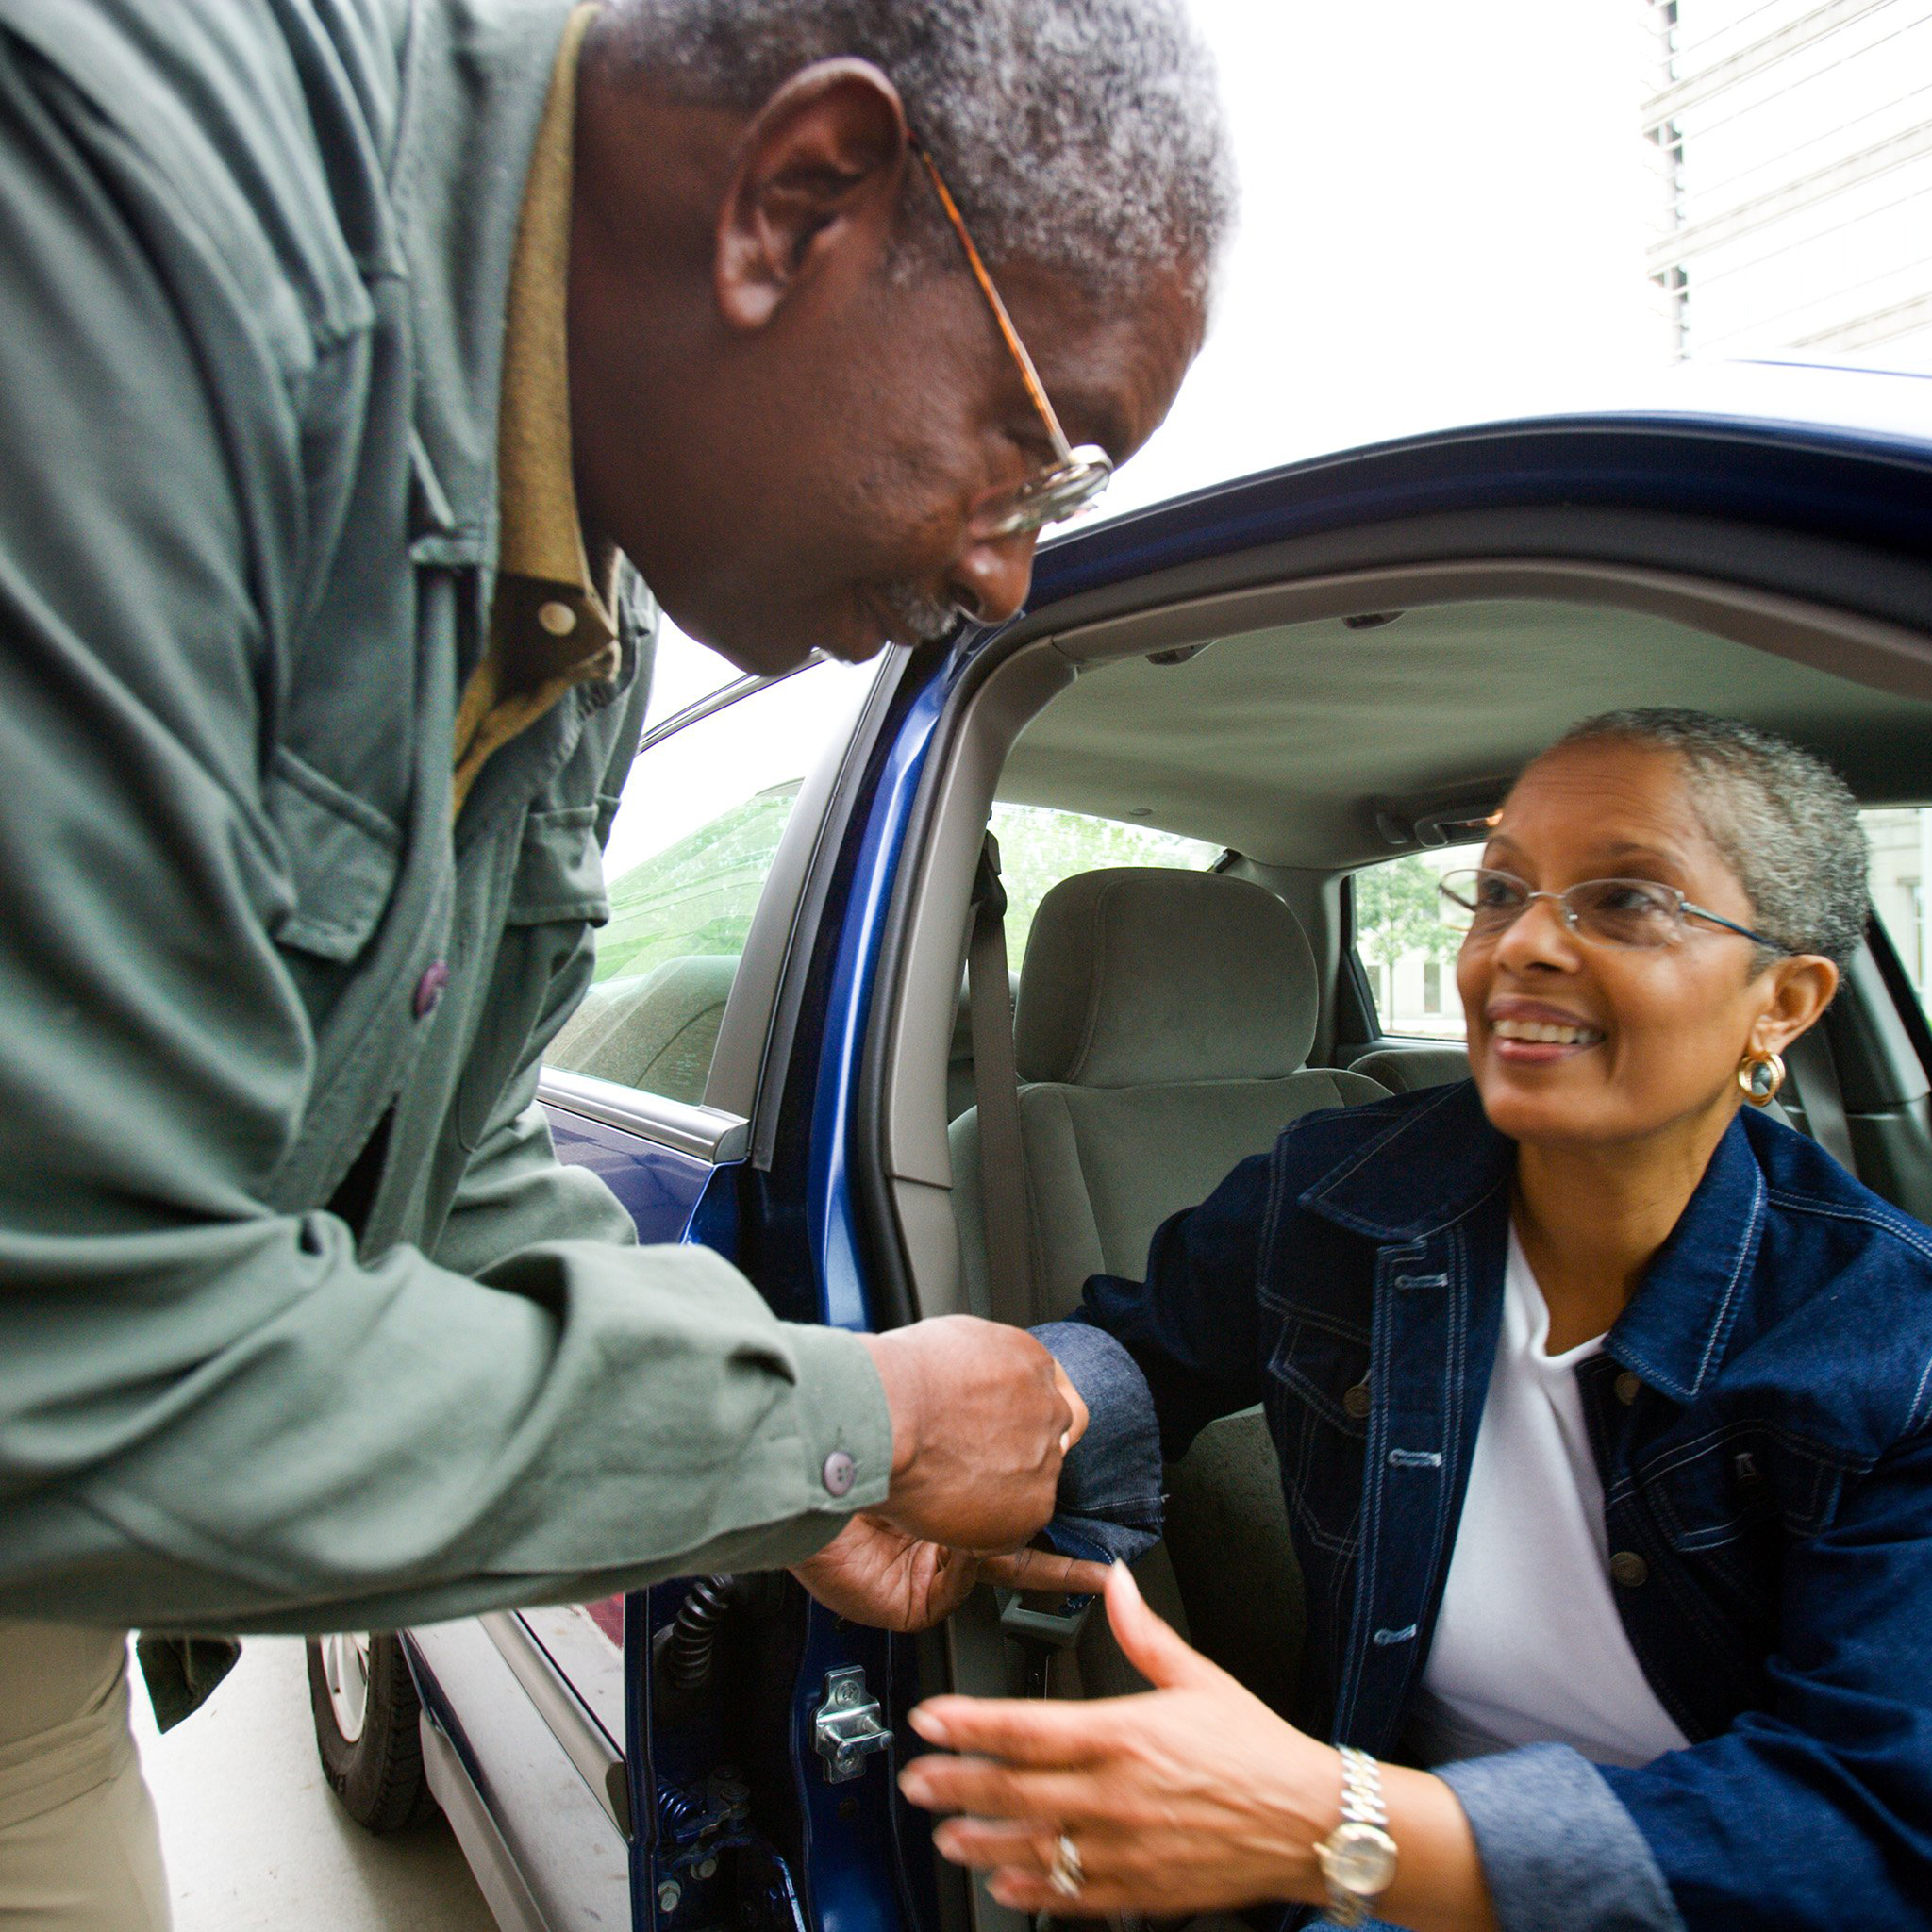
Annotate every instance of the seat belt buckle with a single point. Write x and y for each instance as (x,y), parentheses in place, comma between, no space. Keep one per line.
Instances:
(1048,1617)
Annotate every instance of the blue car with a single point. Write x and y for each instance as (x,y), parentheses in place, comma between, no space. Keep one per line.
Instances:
(1221,756)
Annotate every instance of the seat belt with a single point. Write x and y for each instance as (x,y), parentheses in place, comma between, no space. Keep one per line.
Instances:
(1036,1627)
(1811,1063)
(996,1085)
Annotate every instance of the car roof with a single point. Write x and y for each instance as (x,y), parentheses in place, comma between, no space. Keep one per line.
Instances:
(1324,735)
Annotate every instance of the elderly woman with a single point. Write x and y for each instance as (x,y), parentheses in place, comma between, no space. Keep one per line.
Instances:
(1602,1403)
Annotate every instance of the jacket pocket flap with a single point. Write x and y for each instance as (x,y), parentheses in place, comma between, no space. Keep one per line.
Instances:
(559,868)
(342,857)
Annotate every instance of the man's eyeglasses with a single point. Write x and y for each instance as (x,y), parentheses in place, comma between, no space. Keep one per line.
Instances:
(1075,477)
(1606,912)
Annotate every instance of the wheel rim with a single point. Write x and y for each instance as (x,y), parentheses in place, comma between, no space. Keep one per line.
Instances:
(346,1668)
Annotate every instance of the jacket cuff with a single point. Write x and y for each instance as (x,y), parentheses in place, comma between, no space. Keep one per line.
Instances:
(1560,1852)
(846,1424)
(1109,1501)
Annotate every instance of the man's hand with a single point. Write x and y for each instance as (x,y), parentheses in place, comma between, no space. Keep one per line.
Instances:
(982,1418)
(878,1574)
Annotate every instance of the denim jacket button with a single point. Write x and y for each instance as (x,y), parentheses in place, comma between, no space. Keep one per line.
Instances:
(1629,1569)
(1626,1385)
(1355,1401)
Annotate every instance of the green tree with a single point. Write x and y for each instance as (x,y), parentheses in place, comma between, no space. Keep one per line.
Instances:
(1395,914)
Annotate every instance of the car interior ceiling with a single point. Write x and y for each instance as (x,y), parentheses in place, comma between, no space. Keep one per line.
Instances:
(1308,729)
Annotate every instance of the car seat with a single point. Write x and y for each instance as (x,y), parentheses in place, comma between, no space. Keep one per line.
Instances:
(1162,1031)
(657,1032)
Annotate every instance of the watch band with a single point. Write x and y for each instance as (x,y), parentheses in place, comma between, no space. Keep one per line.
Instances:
(1361,1789)
(1357,1857)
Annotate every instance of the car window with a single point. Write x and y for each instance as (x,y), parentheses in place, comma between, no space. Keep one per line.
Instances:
(684,673)
(1900,838)
(1040,847)
(1406,952)
(693,844)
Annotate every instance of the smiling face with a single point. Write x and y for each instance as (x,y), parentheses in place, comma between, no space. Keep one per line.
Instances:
(1572,1043)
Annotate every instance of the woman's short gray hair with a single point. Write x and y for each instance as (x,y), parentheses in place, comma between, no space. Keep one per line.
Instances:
(1785,822)
(1084,136)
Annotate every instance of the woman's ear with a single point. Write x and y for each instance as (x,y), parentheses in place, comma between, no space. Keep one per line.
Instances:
(820,171)
(1801,988)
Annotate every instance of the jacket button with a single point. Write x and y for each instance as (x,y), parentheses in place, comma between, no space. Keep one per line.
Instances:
(1355,1401)
(429,988)
(1626,1385)
(559,619)
(839,1473)
(1629,1569)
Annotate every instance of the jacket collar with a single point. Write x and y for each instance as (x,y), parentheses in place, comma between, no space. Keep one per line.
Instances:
(1438,1161)
(478,75)
(1673,1332)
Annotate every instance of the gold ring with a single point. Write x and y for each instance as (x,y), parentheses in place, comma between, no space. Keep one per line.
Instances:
(1065,1874)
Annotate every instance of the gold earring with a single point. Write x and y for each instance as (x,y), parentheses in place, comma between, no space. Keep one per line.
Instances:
(1760,1075)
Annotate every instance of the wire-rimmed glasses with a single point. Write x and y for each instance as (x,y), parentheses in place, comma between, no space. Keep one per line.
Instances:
(1637,913)
(1075,477)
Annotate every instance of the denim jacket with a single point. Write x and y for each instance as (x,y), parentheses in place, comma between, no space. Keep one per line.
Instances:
(1759,1415)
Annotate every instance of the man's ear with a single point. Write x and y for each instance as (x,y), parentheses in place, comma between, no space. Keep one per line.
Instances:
(819,169)
(1803,988)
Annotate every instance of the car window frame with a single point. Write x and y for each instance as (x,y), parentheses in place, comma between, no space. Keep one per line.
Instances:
(1357,971)
(736,1118)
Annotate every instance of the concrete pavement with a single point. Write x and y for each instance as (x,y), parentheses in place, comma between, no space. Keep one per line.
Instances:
(255,1839)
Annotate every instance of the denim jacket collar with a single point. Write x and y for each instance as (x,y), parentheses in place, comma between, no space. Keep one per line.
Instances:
(1440,1161)
(1673,1332)
(1434,1164)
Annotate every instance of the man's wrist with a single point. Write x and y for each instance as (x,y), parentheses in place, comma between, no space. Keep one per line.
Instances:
(899,1376)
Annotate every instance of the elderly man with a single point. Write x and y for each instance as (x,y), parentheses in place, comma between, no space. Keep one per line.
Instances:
(362,362)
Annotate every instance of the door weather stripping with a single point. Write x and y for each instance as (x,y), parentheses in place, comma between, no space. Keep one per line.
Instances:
(847,1727)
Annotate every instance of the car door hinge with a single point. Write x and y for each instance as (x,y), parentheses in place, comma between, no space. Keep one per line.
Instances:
(848,1727)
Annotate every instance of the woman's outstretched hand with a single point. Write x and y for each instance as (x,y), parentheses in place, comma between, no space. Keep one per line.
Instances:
(876,1574)
(1190,1798)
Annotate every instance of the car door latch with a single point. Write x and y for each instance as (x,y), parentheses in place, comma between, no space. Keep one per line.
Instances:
(848,1727)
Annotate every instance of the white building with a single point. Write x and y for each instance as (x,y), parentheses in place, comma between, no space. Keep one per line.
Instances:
(1793,142)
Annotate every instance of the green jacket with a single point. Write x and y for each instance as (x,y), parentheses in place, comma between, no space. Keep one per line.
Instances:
(254,267)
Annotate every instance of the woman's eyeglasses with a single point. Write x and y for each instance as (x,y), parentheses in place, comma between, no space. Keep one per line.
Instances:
(1075,477)
(1606,912)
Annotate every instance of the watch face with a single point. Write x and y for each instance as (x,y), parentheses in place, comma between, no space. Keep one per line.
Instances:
(1359,1858)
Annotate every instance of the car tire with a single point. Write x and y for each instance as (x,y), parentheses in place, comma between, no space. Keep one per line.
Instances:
(367,1728)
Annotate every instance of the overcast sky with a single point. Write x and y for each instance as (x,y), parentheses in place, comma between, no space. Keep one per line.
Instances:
(1443,211)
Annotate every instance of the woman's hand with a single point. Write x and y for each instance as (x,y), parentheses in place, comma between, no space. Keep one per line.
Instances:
(879,1574)
(1193,1797)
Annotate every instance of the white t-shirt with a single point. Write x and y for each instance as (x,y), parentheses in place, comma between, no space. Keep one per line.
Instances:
(1528,1647)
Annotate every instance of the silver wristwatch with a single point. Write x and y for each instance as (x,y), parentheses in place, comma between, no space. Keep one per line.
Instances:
(1357,1857)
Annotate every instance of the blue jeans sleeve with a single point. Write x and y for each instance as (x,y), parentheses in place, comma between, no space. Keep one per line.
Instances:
(1110,1497)
(1560,1852)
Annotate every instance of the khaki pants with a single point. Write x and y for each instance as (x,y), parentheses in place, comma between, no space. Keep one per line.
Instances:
(79,1847)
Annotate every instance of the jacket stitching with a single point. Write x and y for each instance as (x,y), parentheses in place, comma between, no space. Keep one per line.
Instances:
(1747,1251)
(1809,1204)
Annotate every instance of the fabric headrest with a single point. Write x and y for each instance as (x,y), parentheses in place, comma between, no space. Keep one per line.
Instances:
(1143,976)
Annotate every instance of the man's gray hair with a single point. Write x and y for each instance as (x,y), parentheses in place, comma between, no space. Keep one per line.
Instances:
(1785,822)
(1084,136)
